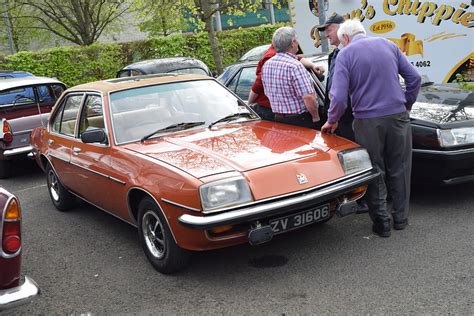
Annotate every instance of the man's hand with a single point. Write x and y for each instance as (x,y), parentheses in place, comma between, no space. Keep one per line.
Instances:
(329,128)
(318,69)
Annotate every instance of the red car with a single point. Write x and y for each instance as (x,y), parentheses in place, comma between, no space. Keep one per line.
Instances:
(189,164)
(13,290)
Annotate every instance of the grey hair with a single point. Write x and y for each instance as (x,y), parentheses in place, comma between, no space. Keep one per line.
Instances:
(350,28)
(282,38)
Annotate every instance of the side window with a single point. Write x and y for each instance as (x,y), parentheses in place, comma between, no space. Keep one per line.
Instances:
(65,120)
(57,90)
(233,83)
(92,116)
(17,96)
(246,80)
(44,94)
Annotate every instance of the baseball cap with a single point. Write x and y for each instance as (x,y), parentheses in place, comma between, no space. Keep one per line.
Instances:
(333,19)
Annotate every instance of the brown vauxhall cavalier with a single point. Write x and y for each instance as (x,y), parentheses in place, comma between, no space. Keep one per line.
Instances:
(188,163)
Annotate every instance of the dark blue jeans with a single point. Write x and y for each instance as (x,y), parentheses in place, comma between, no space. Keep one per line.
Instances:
(304,120)
(264,112)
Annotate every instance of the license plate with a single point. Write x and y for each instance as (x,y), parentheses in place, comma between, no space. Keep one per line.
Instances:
(294,221)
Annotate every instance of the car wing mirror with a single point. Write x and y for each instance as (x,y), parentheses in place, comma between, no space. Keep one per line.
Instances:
(94,136)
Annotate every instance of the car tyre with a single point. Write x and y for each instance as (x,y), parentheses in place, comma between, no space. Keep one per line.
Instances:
(157,241)
(61,198)
(5,169)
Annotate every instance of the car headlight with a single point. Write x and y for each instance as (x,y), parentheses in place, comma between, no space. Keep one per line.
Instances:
(224,193)
(354,160)
(456,136)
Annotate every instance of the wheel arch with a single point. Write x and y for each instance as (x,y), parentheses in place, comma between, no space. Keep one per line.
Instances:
(135,195)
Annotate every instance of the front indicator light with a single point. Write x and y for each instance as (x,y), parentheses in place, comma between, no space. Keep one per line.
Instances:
(222,229)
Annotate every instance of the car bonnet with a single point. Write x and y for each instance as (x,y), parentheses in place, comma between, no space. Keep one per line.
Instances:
(237,147)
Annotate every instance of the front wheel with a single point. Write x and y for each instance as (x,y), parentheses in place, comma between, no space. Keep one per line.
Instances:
(157,241)
(61,198)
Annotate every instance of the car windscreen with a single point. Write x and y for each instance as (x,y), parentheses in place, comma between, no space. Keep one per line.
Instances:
(140,111)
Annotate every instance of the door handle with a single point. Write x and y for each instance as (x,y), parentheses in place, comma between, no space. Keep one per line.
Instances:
(76,149)
(50,141)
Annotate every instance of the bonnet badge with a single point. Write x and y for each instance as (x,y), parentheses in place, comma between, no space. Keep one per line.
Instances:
(301,178)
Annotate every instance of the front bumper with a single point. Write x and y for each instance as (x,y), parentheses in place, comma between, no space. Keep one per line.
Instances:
(19,295)
(448,167)
(282,206)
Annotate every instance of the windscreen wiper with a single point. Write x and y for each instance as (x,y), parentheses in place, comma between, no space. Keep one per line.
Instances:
(177,126)
(231,117)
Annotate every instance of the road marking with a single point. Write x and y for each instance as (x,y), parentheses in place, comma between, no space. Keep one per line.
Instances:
(35,187)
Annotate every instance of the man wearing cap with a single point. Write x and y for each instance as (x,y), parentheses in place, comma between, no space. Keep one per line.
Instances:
(330,30)
(344,128)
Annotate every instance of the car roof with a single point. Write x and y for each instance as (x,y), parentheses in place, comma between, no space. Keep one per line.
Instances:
(25,81)
(124,83)
(163,65)
(14,73)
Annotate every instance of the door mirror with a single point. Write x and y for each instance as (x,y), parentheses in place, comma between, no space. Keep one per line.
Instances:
(94,136)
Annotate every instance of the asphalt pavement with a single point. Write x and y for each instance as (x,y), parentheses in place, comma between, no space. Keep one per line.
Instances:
(88,262)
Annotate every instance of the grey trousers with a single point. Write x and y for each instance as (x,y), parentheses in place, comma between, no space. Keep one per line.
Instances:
(388,141)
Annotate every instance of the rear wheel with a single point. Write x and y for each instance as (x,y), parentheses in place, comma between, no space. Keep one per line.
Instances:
(5,169)
(61,198)
(157,241)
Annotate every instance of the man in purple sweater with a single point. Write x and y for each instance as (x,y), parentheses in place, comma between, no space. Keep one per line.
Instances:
(368,68)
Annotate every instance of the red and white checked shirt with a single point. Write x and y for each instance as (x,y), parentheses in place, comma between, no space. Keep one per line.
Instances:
(286,81)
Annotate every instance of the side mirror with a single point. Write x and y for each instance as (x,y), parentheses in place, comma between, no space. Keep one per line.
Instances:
(94,136)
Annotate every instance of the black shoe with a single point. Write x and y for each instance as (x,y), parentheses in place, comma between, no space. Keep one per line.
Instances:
(362,207)
(400,225)
(381,228)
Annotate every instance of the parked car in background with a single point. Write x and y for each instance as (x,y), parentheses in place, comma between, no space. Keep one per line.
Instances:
(183,65)
(14,290)
(24,104)
(7,74)
(442,123)
(192,166)
(255,53)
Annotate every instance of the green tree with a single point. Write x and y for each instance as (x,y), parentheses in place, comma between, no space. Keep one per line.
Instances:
(165,16)
(79,21)
(21,34)
(161,17)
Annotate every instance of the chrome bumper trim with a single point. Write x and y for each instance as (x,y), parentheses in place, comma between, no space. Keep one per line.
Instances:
(275,208)
(19,295)
(444,152)
(18,151)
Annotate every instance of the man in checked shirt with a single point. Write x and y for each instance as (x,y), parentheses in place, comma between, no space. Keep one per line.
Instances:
(288,85)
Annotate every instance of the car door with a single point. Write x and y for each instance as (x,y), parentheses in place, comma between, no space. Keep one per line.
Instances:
(62,137)
(242,82)
(97,179)
(18,102)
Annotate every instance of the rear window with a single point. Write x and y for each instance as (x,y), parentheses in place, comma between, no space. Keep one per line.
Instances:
(17,96)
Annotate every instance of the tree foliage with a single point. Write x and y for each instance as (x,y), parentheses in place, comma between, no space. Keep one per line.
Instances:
(197,12)
(161,17)
(15,18)
(79,21)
